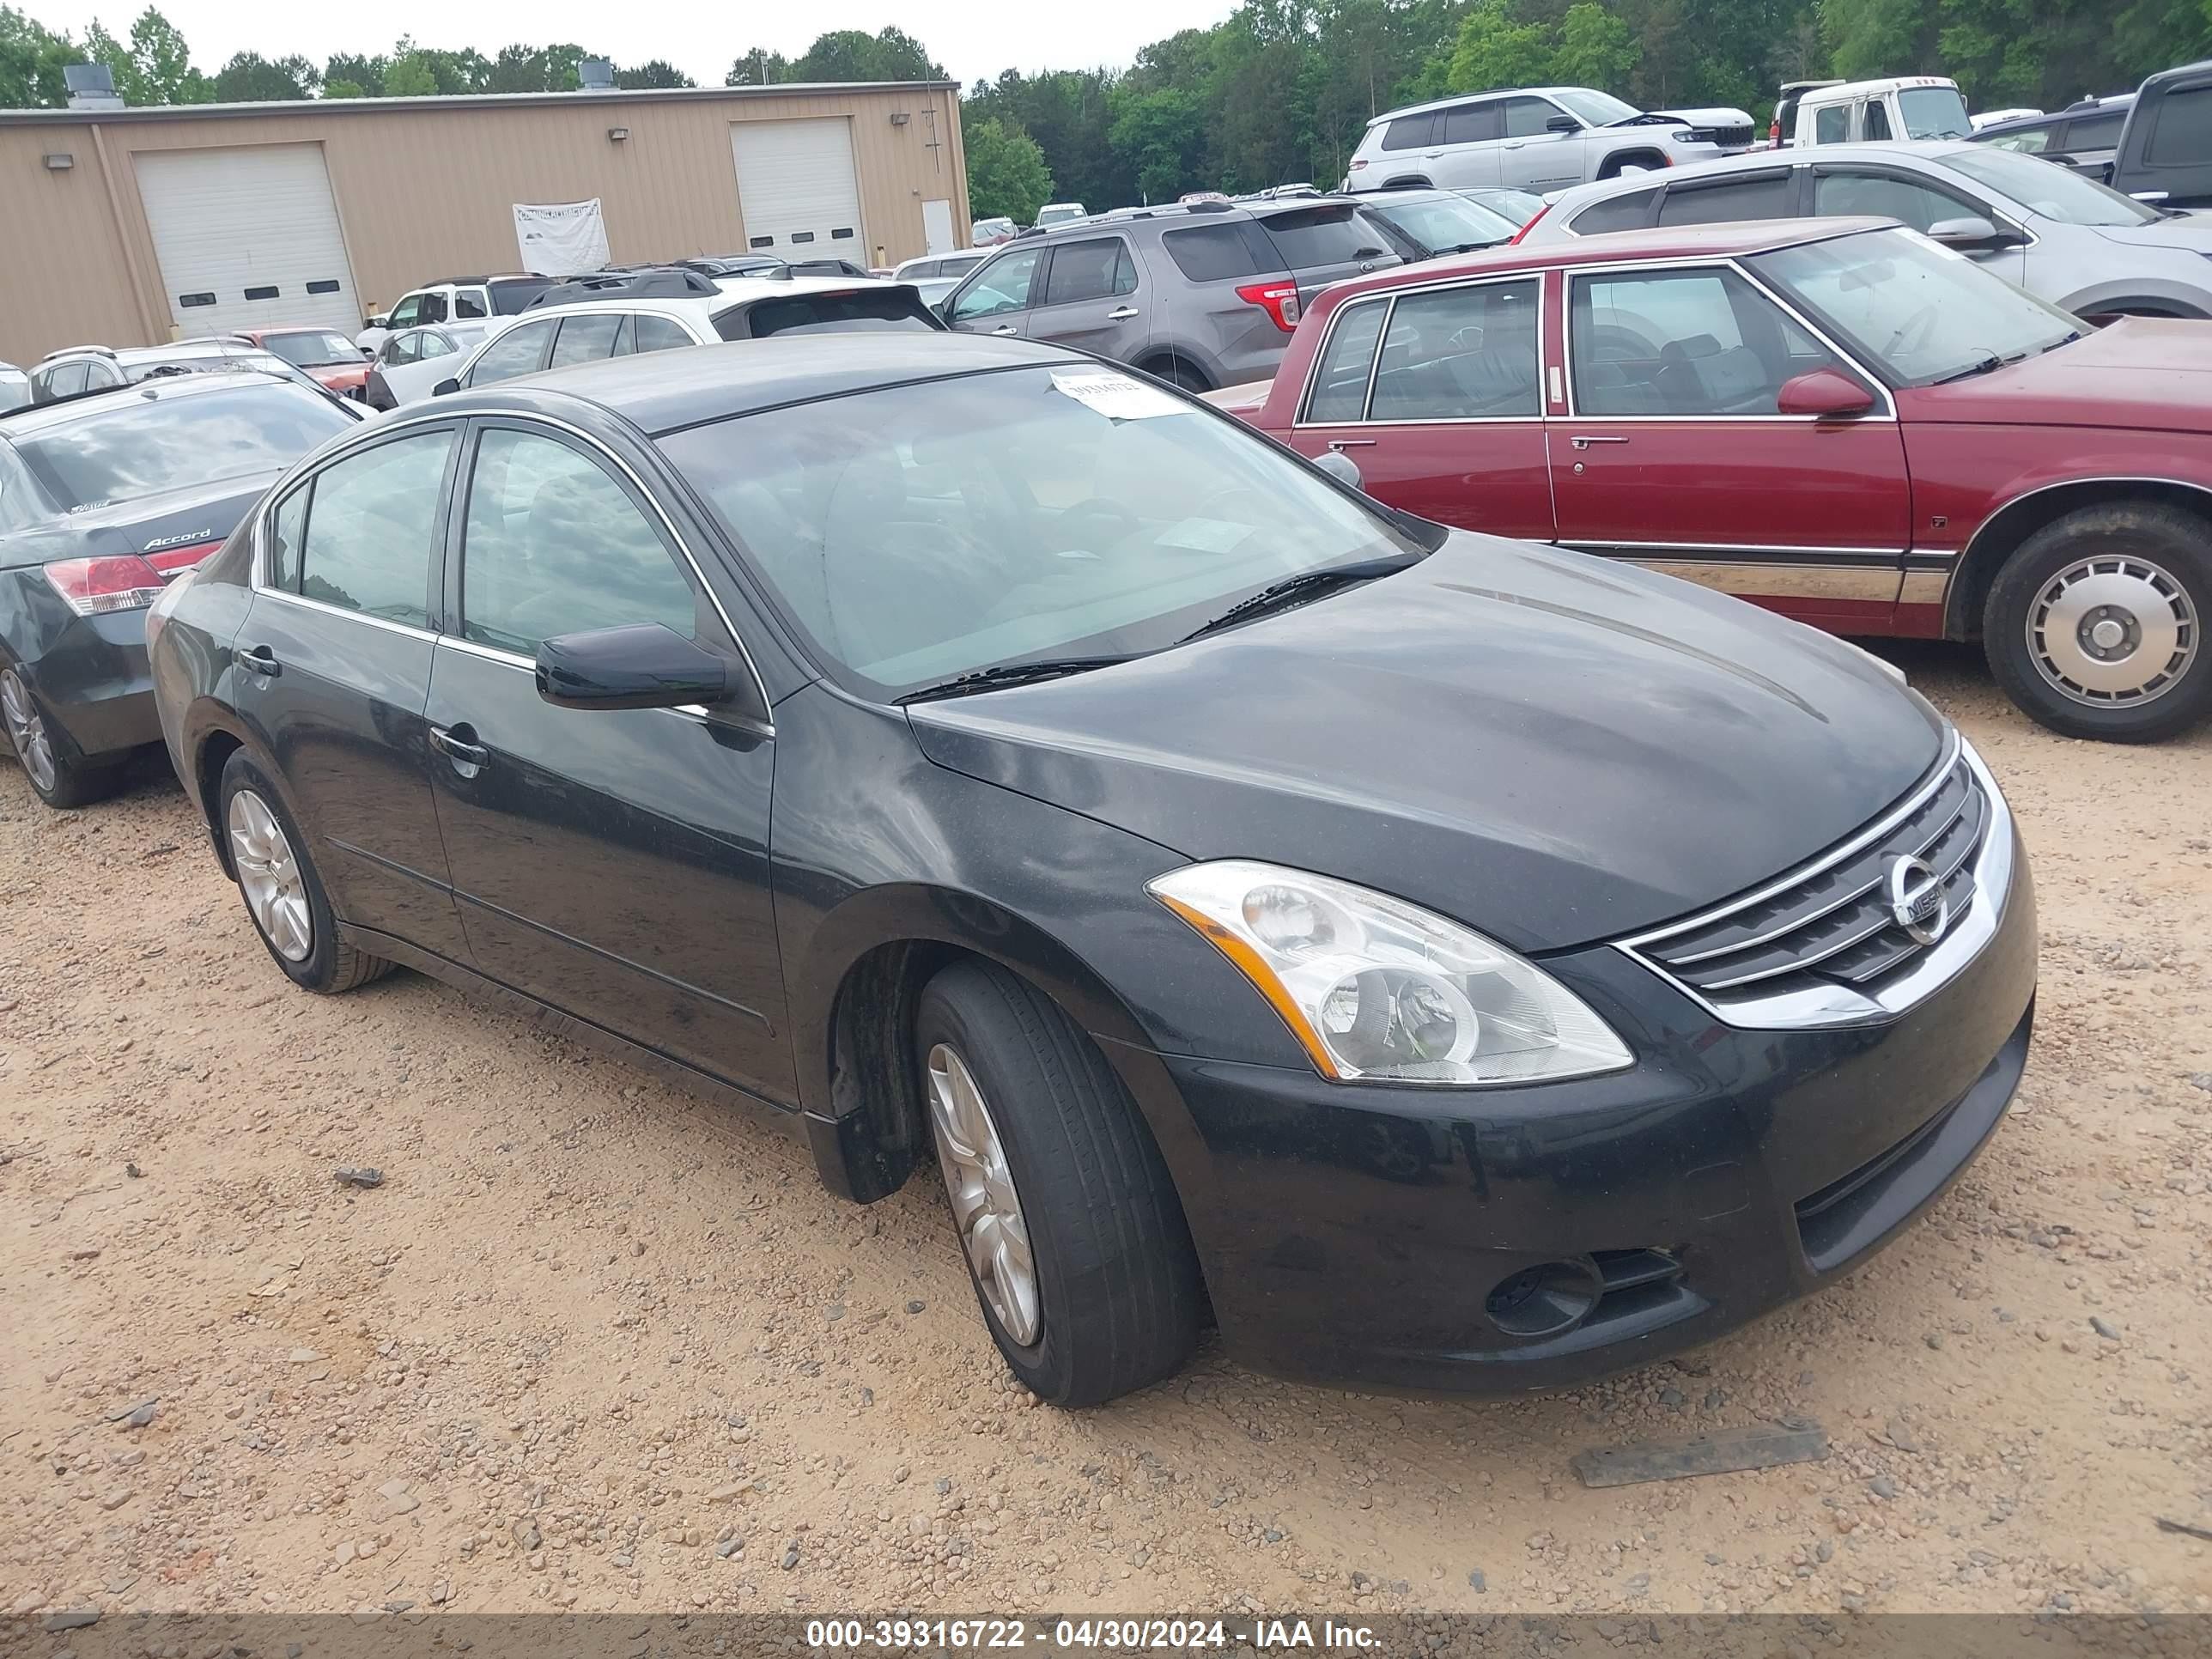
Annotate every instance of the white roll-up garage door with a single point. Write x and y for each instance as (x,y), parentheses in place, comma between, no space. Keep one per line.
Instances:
(247,238)
(797,189)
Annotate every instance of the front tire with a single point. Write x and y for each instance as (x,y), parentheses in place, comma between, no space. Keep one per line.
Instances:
(2095,625)
(283,892)
(1074,1238)
(59,775)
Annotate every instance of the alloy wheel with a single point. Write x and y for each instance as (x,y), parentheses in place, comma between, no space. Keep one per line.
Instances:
(985,1206)
(2113,630)
(269,875)
(27,730)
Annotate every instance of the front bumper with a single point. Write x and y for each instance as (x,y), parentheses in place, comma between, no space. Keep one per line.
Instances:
(1379,1237)
(93,679)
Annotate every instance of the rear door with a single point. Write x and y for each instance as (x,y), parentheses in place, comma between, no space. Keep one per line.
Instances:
(1091,299)
(1435,393)
(1470,156)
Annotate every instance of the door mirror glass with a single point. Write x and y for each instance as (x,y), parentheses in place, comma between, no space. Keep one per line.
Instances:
(639,665)
(376,322)
(1965,231)
(1341,467)
(1563,124)
(1824,394)
(447,384)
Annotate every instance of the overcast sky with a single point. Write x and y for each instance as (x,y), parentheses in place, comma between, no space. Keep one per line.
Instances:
(973,39)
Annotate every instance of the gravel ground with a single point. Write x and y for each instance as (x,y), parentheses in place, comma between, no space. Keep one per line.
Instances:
(593,1345)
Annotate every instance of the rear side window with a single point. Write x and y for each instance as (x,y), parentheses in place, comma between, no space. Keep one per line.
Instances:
(1831,124)
(1214,254)
(1094,270)
(468,303)
(657,334)
(1339,379)
(288,528)
(1764,197)
(520,351)
(1411,131)
(145,447)
(2181,128)
(2095,131)
(1472,123)
(2029,141)
(587,339)
(1317,236)
(371,526)
(1631,211)
(859,311)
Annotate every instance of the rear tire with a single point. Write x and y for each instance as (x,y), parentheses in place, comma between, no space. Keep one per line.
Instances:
(2095,625)
(283,892)
(1176,372)
(1054,1175)
(59,773)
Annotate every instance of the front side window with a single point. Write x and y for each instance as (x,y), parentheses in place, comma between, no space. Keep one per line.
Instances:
(1873,120)
(1933,113)
(1095,269)
(145,446)
(65,381)
(2055,192)
(587,339)
(1918,312)
(407,313)
(1002,286)
(372,523)
(1529,118)
(434,308)
(916,533)
(1840,192)
(520,351)
(402,349)
(430,344)
(1465,354)
(1683,343)
(553,545)
(1599,109)
(1762,196)
(1346,365)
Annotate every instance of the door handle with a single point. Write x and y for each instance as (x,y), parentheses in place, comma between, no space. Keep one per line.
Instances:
(1584,443)
(1339,445)
(1121,313)
(465,756)
(1005,328)
(260,660)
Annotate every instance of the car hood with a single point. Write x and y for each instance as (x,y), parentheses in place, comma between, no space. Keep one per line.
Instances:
(1549,747)
(2146,373)
(1701,117)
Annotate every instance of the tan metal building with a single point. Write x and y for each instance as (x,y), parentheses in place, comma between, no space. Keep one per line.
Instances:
(129,227)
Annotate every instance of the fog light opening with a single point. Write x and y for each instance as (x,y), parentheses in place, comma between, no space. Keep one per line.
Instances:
(1546,1299)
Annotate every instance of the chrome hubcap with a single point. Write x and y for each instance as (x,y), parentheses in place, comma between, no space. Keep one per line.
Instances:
(2113,630)
(269,875)
(985,1206)
(27,730)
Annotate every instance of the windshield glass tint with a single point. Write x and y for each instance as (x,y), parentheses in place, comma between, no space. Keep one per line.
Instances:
(312,350)
(2053,189)
(1921,312)
(1600,109)
(1933,112)
(920,532)
(144,449)
(1447,222)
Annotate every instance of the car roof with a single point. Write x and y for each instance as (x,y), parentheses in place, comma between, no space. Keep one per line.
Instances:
(1907,150)
(1458,98)
(729,291)
(664,390)
(34,418)
(1882,83)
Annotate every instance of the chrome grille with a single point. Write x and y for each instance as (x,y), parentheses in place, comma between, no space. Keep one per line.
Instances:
(1833,924)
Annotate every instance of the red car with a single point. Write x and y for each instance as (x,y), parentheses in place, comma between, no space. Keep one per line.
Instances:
(1836,419)
(325,353)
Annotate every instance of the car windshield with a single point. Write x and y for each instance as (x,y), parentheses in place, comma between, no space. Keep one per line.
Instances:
(919,533)
(1054,216)
(1933,112)
(1600,109)
(119,453)
(2055,191)
(1921,311)
(314,348)
(1442,223)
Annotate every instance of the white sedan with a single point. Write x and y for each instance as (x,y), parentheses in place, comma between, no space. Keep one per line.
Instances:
(410,364)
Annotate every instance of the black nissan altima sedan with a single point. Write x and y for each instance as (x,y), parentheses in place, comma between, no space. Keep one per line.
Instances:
(1449,963)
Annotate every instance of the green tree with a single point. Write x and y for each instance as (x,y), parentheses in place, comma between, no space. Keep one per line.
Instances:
(856,55)
(154,66)
(1006,172)
(361,76)
(1161,136)
(1596,48)
(658,74)
(1492,48)
(32,59)
(759,67)
(249,78)
(412,75)
(342,88)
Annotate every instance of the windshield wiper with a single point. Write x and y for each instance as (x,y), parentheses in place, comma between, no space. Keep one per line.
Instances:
(2064,339)
(1305,586)
(1980,366)
(1011,673)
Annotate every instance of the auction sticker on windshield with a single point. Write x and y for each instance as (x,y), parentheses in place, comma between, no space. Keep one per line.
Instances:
(1117,396)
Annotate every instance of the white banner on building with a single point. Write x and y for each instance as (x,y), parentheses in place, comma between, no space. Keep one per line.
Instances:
(561,239)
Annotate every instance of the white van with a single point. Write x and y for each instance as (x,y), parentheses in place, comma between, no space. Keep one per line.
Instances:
(1862,112)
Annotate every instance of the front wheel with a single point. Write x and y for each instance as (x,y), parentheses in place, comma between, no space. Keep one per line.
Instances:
(1073,1237)
(2094,626)
(60,776)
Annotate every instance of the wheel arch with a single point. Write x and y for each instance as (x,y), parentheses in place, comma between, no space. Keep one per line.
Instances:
(2003,532)
(1407,181)
(1615,164)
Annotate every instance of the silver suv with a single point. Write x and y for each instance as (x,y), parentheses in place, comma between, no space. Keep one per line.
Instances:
(1541,138)
(1205,295)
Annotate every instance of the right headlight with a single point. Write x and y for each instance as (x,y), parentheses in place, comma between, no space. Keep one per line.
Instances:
(1372,986)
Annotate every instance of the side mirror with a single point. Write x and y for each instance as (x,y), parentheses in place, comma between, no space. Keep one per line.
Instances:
(1341,467)
(1563,124)
(1968,230)
(643,666)
(376,322)
(1824,395)
(448,384)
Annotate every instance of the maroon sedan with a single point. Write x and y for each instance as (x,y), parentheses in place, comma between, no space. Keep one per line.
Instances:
(325,353)
(1836,419)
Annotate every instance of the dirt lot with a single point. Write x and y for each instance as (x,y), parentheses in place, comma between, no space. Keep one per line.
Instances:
(594,1344)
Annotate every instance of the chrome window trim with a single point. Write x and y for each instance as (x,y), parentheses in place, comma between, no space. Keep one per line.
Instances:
(396,421)
(1389,298)
(1886,416)
(1840,1006)
(329,610)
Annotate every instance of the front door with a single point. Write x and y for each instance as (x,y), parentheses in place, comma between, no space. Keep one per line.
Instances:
(613,864)
(996,300)
(332,667)
(1672,454)
(1533,156)
(1090,300)
(1845,188)
(1435,394)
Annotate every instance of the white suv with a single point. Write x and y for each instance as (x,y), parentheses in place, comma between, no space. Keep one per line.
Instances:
(453,299)
(1540,138)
